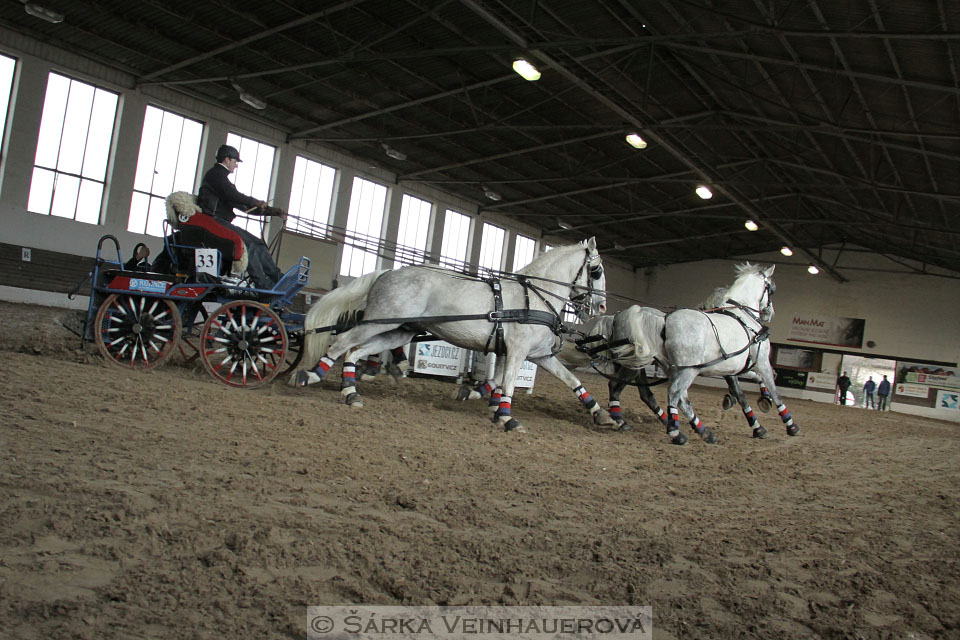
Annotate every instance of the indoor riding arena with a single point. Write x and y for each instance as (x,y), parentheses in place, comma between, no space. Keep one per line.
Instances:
(359,307)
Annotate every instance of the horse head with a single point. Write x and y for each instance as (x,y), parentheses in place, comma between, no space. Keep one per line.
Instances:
(754,289)
(590,292)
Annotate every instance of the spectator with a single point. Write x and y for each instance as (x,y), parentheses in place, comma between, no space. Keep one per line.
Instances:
(882,392)
(868,388)
(844,383)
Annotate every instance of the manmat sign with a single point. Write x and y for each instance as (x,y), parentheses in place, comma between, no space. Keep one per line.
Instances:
(829,330)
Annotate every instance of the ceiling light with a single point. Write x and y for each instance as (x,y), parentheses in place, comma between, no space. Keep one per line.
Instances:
(813,270)
(704,192)
(635,141)
(39,11)
(249,98)
(526,70)
(490,193)
(785,250)
(564,225)
(751,225)
(393,153)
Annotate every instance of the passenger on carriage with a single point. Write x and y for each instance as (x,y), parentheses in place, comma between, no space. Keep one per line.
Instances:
(217,199)
(139,261)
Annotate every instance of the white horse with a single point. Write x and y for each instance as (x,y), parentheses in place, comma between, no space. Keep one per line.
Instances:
(726,340)
(519,316)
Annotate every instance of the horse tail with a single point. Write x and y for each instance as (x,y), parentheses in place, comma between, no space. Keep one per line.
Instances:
(640,329)
(337,308)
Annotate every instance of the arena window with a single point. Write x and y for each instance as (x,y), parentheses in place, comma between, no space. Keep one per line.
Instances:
(415,217)
(311,197)
(7,66)
(524,249)
(70,166)
(491,247)
(364,222)
(253,176)
(167,162)
(456,240)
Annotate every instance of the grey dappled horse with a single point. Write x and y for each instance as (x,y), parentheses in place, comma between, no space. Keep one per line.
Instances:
(402,303)
(728,340)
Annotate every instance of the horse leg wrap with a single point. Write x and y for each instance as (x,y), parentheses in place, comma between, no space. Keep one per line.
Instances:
(616,414)
(673,427)
(749,415)
(316,374)
(503,408)
(482,390)
(662,415)
(494,402)
(615,411)
(792,429)
(348,381)
(503,415)
(705,434)
(587,399)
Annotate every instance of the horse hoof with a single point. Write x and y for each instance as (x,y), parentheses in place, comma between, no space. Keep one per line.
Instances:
(353,401)
(793,430)
(764,404)
(602,418)
(759,432)
(624,426)
(512,426)
(366,377)
(728,402)
(679,439)
(301,380)
(708,436)
(463,393)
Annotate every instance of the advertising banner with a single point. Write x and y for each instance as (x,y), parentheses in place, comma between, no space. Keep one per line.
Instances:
(948,400)
(930,375)
(829,330)
(437,358)
(792,379)
(795,358)
(483,369)
(912,390)
(822,380)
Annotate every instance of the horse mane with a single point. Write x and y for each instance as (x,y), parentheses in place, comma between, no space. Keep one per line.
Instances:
(547,260)
(715,299)
(746,268)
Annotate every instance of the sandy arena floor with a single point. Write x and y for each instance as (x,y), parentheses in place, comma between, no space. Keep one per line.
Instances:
(165,505)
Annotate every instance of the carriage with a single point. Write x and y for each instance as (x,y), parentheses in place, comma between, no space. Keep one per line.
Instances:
(244,336)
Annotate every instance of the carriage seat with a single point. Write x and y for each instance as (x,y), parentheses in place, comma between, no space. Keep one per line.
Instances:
(195,229)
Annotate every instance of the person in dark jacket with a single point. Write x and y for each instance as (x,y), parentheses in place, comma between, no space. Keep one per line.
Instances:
(882,392)
(218,197)
(139,261)
(844,383)
(868,388)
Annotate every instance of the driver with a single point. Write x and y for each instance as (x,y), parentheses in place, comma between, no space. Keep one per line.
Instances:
(218,197)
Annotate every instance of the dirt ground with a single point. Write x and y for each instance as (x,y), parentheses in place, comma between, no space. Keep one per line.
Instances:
(165,505)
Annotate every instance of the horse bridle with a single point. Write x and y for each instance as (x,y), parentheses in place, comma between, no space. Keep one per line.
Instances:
(594,272)
(755,314)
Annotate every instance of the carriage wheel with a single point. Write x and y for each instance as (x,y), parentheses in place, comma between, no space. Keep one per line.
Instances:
(137,332)
(243,344)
